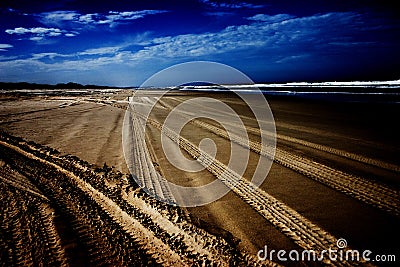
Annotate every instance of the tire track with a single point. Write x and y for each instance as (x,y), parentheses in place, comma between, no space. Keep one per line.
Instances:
(377,195)
(20,182)
(299,229)
(331,150)
(156,248)
(170,242)
(145,173)
(30,235)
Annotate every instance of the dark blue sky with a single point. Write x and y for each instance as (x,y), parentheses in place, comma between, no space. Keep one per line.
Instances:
(124,42)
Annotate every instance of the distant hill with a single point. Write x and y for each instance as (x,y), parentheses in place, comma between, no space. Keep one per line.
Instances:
(70,85)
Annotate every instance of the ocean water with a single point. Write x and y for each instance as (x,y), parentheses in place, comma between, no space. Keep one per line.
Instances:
(369,94)
(334,96)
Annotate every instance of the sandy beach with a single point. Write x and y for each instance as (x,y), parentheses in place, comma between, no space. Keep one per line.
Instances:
(335,174)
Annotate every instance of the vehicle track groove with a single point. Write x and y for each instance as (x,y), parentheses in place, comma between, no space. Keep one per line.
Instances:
(299,229)
(377,195)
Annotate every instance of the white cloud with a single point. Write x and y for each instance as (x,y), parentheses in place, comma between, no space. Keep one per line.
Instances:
(39,33)
(218,14)
(36,34)
(132,15)
(60,19)
(271,19)
(112,17)
(292,58)
(284,34)
(57,16)
(261,34)
(38,30)
(100,51)
(54,33)
(350,43)
(50,55)
(231,4)
(87,18)
(16,31)
(36,38)
(5,47)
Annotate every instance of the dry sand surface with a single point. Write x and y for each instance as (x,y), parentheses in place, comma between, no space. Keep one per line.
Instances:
(335,175)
